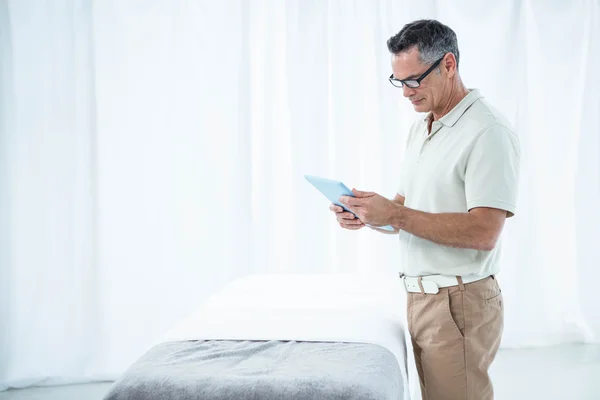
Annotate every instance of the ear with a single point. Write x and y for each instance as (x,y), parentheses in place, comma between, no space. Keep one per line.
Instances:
(449,64)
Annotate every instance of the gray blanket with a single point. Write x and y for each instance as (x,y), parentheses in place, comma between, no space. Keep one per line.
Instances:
(269,370)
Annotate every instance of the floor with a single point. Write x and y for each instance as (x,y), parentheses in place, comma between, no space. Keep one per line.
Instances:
(566,372)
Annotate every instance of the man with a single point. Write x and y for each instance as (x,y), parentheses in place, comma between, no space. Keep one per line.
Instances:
(458,185)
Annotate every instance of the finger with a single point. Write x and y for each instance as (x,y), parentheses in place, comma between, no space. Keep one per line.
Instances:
(349,221)
(360,193)
(351,201)
(352,227)
(336,208)
(345,216)
(339,209)
(342,220)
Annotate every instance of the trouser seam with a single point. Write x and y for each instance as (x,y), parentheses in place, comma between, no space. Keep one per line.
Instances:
(465,344)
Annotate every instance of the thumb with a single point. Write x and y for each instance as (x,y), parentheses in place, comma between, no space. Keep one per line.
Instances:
(359,193)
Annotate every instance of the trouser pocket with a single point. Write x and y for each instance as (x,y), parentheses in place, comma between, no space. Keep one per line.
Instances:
(456,310)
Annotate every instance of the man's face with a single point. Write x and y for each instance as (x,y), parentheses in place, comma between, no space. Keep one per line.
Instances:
(428,96)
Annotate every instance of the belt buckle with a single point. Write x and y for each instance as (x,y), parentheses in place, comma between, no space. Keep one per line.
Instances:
(425,286)
(402,276)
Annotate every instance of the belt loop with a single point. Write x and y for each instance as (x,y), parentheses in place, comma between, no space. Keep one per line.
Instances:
(421,284)
(460,283)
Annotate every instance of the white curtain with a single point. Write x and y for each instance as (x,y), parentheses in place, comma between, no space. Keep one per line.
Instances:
(152,151)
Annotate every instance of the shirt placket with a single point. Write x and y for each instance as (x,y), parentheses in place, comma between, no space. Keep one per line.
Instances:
(426,139)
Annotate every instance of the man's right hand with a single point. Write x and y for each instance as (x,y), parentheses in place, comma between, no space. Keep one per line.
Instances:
(346,219)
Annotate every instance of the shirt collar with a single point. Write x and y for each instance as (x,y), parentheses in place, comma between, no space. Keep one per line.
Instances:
(454,115)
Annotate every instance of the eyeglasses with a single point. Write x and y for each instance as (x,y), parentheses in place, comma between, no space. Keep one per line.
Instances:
(414,83)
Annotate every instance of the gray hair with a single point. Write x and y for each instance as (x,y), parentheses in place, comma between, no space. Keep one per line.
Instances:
(432,38)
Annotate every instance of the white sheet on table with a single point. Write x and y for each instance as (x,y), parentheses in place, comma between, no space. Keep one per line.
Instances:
(307,307)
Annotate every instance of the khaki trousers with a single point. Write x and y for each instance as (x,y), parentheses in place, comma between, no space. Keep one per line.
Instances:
(455,336)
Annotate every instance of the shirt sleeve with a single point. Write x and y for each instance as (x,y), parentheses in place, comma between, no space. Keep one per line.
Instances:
(492,171)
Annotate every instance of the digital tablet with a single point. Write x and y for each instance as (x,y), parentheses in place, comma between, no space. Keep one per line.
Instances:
(333,190)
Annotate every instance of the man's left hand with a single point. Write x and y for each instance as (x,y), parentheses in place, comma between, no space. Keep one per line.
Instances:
(370,207)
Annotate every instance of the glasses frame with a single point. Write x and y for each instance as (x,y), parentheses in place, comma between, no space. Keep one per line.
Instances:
(417,80)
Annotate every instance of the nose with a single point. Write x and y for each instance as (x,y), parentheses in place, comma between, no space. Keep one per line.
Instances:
(407,92)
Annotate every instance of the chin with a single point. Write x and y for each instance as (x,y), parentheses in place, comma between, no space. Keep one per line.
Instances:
(422,108)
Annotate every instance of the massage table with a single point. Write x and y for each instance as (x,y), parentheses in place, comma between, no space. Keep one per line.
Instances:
(293,337)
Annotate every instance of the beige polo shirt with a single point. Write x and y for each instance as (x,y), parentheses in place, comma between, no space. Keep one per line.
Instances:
(470,159)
